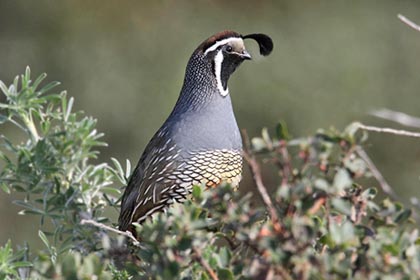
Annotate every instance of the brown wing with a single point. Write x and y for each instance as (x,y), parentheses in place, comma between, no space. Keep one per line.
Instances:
(143,195)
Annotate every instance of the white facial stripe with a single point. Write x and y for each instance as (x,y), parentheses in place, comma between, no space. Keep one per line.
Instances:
(218,60)
(222,42)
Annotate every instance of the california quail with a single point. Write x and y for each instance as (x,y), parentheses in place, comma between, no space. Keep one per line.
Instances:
(200,141)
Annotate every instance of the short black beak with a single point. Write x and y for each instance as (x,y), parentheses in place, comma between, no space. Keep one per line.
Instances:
(245,55)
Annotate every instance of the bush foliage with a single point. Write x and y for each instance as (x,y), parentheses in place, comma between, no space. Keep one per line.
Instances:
(322,222)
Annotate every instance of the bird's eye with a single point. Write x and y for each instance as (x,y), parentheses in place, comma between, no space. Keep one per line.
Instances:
(229,48)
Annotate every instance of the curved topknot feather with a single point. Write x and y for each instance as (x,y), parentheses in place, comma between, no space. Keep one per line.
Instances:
(264,42)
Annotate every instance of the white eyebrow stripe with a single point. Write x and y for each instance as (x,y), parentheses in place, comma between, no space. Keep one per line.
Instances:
(222,42)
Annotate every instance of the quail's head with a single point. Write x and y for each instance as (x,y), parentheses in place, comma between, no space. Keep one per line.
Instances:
(222,53)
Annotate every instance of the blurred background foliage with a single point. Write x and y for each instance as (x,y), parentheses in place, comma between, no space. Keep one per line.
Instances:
(124,62)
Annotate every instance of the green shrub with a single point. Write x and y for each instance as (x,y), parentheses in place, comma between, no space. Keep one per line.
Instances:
(322,222)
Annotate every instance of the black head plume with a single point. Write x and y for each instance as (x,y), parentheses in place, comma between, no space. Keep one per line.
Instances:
(264,42)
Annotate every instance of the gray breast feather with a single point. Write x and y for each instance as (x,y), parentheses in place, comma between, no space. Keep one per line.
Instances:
(213,127)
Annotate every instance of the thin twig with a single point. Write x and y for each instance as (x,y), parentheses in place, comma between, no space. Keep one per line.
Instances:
(204,264)
(389,130)
(409,22)
(398,117)
(284,274)
(108,228)
(286,166)
(386,188)
(255,170)
(256,174)
(375,172)
(317,205)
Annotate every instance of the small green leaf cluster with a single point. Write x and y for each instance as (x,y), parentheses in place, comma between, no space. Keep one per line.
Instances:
(11,262)
(53,167)
(330,225)
(323,221)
